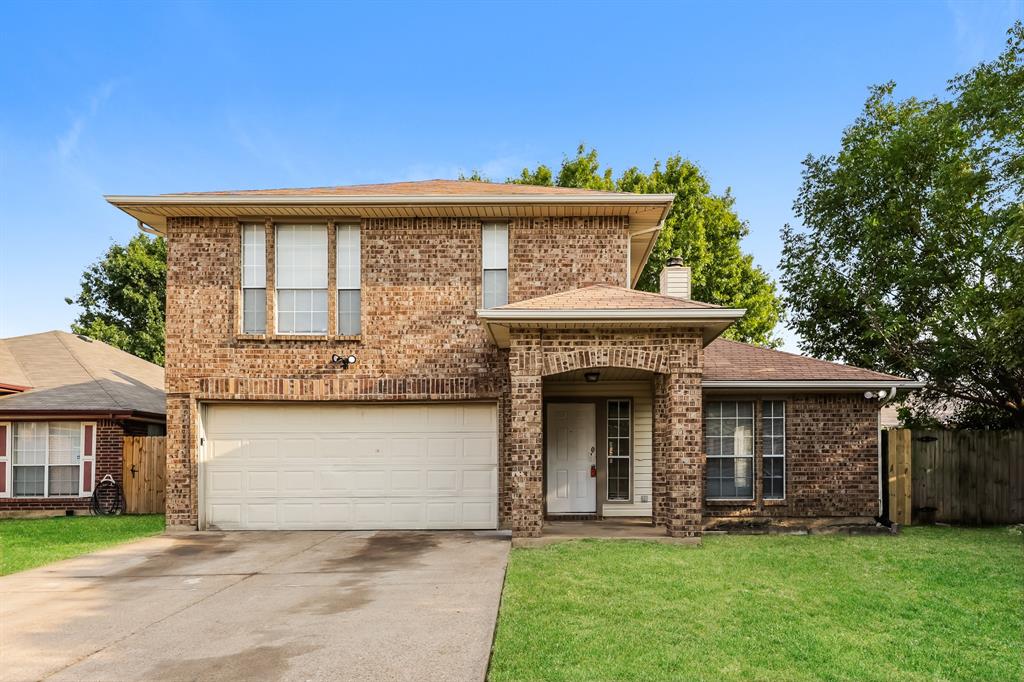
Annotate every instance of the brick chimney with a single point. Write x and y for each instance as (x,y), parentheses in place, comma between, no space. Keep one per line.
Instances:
(675,279)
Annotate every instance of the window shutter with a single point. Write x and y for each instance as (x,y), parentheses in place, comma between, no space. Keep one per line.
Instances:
(5,460)
(88,458)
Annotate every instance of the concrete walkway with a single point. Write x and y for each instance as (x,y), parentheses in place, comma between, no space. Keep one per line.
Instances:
(259,606)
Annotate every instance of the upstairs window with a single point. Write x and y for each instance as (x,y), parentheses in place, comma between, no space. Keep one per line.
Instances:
(301,269)
(773,428)
(495,259)
(349,287)
(729,440)
(254,279)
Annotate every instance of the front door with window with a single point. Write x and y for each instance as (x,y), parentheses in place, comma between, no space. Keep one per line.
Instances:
(571,458)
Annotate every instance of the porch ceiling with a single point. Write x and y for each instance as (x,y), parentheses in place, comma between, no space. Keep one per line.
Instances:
(607,374)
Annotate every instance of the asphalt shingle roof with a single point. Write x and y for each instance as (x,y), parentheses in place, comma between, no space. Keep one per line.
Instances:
(726,360)
(417,188)
(606,297)
(70,372)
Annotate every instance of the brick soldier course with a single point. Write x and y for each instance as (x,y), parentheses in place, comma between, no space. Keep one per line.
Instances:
(422,338)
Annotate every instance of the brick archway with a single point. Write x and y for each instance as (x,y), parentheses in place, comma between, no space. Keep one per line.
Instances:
(674,357)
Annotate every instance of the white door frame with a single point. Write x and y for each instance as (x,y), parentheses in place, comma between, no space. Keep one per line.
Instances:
(573,489)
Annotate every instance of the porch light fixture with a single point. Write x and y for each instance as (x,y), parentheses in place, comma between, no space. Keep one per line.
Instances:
(591,377)
(343,361)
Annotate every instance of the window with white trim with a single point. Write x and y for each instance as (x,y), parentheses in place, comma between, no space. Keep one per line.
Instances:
(729,442)
(254,279)
(773,432)
(348,273)
(301,279)
(47,457)
(495,260)
(620,431)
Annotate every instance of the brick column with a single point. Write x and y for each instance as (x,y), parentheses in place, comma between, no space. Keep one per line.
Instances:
(182,512)
(524,446)
(678,466)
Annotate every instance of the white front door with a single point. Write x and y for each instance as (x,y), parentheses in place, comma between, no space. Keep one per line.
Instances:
(572,458)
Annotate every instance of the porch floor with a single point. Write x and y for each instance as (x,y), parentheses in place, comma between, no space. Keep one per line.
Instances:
(608,529)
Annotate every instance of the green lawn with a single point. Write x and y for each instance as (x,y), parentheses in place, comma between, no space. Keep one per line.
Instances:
(929,604)
(27,543)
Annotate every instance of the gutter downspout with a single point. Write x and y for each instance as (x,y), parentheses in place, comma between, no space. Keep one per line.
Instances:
(881,502)
(147,229)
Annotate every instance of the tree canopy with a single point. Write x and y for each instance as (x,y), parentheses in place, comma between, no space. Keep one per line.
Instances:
(911,255)
(122,298)
(702,228)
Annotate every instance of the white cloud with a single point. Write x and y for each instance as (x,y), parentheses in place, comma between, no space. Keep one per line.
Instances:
(981,28)
(67,144)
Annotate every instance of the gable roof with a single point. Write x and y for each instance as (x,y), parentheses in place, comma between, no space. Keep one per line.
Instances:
(645,213)
(436,187)
(727,362)
(609,306)
(67,372)
(606,297)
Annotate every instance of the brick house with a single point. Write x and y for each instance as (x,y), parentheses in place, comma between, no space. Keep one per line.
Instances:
(446,354)
(66,403)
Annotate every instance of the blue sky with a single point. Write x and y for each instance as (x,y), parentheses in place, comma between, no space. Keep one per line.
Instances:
(150,98)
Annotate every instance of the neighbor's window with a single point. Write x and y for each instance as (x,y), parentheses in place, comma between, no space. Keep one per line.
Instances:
(495,258)
(254,279)
(349,294)
(773,427)
(729,440)
(47,457)
(619,433)
(301,266)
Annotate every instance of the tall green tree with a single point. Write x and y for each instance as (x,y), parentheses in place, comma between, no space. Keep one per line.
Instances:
(702,227)
(911,258)
(122,298)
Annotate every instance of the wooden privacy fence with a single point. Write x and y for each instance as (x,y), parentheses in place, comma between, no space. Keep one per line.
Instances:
(144,474)
(973,477)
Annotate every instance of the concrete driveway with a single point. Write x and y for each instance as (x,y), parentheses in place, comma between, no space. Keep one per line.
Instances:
(259,606)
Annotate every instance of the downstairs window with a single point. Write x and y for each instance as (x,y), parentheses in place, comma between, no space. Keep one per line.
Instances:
(729,442)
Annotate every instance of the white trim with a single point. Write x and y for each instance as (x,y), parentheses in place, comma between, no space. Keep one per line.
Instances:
(783,456)
(752,457)
(386,200)
(818,383)
(6,460)
(46,464)
(629,456)
(83,458)
(571,314)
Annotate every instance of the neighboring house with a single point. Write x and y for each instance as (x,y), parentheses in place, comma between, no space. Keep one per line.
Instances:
(446,354)
(66,402)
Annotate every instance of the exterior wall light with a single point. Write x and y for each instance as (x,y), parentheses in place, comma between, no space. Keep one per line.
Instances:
(592,377)
(343,361)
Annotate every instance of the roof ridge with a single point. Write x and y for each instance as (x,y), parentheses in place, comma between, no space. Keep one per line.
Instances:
(81,364)
(14,356)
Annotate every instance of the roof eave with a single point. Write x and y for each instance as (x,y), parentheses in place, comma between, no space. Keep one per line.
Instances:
(712,321)
(808,384)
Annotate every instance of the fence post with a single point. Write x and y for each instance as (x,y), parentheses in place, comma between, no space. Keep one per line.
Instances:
(900,478)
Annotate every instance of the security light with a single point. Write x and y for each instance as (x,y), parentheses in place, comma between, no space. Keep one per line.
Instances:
(343,361)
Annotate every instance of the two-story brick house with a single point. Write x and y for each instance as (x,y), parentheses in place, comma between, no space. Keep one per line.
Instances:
(448,354)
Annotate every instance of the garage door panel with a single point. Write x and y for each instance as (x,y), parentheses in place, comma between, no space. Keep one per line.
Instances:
(364,467)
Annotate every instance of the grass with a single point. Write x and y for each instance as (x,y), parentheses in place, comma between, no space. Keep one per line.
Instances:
(929,604)
(27,543)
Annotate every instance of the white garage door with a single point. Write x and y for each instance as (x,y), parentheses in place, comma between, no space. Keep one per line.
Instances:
(336,467)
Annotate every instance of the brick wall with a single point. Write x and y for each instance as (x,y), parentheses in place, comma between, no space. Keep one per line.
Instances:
(109,443)
(831,459)
(420,339)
